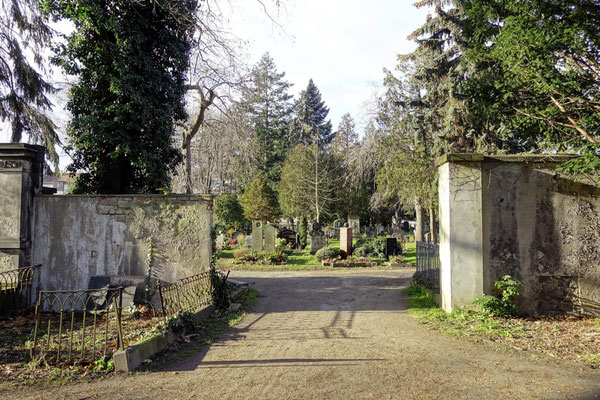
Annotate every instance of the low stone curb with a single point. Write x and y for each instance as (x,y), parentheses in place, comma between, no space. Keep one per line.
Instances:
(132,357)
(243,287)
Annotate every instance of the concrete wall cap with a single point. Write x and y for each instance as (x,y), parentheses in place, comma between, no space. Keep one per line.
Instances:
(176,196)
(521,158)
(21,150)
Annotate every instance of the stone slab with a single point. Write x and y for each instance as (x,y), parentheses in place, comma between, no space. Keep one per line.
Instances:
(132,357)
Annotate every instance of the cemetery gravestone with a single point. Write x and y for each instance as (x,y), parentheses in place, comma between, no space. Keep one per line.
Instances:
(317,239)
(380,229)
(391,247)
(289,235)
(270,234)
(248,241)
(345,242)
(220,241)
(354,223)
(257,235)
(335,233)
(405,226)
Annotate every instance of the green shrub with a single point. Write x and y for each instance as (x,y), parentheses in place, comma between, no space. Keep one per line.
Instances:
(327,253)
(228,213)
(362,251)
(376,246)
(287,251)
(241,239)
(280,243)
(278,257)
(242,254)
(503,305)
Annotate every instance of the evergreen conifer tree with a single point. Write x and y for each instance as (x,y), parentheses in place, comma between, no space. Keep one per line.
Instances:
(259,201)
(267,103)
(310,123)
(346,136)
(23,88)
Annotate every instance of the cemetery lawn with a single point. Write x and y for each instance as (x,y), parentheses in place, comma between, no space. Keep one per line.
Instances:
(566,337)
(410,253)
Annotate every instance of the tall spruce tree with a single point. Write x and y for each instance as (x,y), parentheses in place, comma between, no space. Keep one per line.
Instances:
(346,137)
(23,87)
(267,103)
(310,123)
(130,58)
(441,70)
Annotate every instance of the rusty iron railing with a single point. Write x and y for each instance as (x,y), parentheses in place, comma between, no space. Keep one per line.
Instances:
(16,287)
(428,262)
(187,294)
(77,325)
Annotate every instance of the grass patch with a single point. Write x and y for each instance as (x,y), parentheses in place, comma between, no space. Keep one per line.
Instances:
(410,253)
(559,337)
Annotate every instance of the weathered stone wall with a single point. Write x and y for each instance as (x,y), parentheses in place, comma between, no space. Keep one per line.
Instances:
(544,229)
(534,224)
(79,237)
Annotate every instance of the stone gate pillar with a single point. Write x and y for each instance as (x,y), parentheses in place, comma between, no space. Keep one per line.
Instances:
(21,168)
(461,229)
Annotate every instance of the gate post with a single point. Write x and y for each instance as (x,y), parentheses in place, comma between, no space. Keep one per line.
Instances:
(461,229)
(21,167)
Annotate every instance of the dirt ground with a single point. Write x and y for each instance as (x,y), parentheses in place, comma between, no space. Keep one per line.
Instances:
(339,335)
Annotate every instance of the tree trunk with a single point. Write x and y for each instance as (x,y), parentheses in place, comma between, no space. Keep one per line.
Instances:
(432,225)
(420,222)
(317,183)
(188,164)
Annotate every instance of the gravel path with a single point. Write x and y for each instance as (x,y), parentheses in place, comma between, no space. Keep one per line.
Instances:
(341,335)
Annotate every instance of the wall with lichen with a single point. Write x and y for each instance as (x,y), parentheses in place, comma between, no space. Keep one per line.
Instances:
(76,237)
(544,229)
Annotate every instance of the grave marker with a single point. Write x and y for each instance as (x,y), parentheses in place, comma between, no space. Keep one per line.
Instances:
(345,242)
(317,239)
(257,235)
(270,235)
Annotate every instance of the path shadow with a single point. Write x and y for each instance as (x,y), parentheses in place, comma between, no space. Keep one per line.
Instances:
(301,308)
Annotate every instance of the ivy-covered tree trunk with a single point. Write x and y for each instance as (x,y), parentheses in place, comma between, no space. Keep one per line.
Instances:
(432,225)
(420,222)
(129,59)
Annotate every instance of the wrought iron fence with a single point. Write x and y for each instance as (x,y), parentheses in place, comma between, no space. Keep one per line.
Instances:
(428,262)
(77,324)
(187,294)
(16,289)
